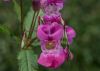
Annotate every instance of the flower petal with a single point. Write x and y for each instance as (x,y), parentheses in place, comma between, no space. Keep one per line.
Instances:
(52,60)
(70,33)
(58,31)
(41,32)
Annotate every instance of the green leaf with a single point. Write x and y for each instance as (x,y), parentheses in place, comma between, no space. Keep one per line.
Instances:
(27,60)
(36,43)
(17,9)
(28,20)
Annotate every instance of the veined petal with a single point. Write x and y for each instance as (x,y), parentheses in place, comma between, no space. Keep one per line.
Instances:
(52,60)
(41,32)
(52,31)
(57,30)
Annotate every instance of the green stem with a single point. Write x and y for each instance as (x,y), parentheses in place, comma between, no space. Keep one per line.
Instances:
(31,41)
(21,8)
(35,20)
(33,25)
(30,31)
(67,39)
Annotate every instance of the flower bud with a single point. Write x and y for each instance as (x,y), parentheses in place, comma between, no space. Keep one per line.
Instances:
(36,5)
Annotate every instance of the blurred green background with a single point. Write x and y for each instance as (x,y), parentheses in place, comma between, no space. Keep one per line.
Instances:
(83,15)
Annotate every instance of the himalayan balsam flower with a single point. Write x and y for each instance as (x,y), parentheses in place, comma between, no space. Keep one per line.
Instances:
(50,34)
(70,33)
(53,54)
(52,6)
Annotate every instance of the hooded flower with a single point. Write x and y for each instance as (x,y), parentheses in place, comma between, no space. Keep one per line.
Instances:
(53,54)
(51,6)
(70,34)
(50,34)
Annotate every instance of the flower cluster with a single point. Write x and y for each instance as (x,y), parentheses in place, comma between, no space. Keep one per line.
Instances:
(50,34)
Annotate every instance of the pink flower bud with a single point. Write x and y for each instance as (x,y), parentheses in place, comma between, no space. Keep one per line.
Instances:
(36,5)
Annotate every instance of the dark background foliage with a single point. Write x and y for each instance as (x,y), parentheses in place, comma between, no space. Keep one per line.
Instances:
(83,15)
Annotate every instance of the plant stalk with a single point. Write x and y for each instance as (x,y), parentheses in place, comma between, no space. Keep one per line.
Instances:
(21,8)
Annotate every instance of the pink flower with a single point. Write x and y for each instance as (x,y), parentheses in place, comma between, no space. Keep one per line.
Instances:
(70,34)
(52,6)
(53,54)
(50,34)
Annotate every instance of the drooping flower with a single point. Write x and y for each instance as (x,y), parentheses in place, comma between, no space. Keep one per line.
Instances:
(53,54)
(70,34)
(50,34)
(52,6)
